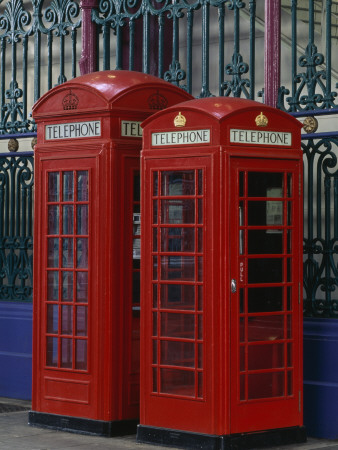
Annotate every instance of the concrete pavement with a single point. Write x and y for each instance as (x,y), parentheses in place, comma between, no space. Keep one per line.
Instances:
(16,434)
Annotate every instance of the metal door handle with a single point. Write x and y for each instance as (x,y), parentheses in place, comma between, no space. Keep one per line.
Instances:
(233,286)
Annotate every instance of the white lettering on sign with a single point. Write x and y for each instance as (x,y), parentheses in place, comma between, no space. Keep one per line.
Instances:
(260,137)
(131,129)
(186,137)
(73,130)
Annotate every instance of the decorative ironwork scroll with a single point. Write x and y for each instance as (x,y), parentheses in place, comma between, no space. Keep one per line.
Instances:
(16,228)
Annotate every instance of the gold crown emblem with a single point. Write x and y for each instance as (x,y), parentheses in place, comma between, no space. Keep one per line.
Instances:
(261,120)
(70,101)
(180,120)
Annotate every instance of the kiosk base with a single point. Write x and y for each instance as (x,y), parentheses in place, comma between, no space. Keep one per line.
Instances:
(81,425)
(190,440)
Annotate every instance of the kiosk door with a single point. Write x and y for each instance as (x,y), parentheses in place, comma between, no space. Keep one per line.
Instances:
(131,257)
(265,295)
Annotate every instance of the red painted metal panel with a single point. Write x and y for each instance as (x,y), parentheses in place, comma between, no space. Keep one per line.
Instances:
(252,338)
(87,261)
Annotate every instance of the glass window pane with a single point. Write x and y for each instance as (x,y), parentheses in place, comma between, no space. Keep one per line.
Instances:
(67,219)
(178,382)
(137,184)
(81,320)
(82,253)
(66,319)
(154,239)
(178,211)
(68,186)
(67,286)
(259,183)
(155,379)
(155,296)
(200,182)
(81,354)
(82,219)
(274,213)
(82,186)
(290,382)
(52,319)
(53,186)
(67,252)
(289,327)
(53,219)
(177,239)
(265,299)
(136,287)
(154,267)
(52,285)
(155,184)
(200,298)
(52,352)
(268,213)
(52,252)
(178,267)
(178,325)
(265,328)
(268,356)
(154,352)
(155,323)
(200,211)
(155,219)
(177,296)
(200,240)
(265,385)
(178,353)
(66,353)
(262,242)
(289,355)
(265,270)
(178,183)
(82,287)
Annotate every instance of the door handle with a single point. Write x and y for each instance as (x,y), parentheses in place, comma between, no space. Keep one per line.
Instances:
(233,285)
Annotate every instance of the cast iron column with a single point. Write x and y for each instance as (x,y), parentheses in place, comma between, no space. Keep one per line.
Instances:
(272,51)
(88,61)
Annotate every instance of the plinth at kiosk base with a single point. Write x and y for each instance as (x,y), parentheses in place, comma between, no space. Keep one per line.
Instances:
(190,440)
(81,425)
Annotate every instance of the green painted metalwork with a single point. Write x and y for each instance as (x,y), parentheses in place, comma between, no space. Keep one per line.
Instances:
(321,227)
(311,87)
(16,227)
(178,16)
(55,21)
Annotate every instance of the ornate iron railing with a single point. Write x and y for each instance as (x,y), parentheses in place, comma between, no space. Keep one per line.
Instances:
(16,226)
(156,36)
(311,69)
(33,38)
(321,225)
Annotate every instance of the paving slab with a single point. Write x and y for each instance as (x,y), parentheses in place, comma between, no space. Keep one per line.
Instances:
(16,434)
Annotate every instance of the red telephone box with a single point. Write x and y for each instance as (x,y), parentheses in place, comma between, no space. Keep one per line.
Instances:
(87,249)
(221,324)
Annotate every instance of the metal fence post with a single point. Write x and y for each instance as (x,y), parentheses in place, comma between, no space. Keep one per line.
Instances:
(272,51)
(88,61)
